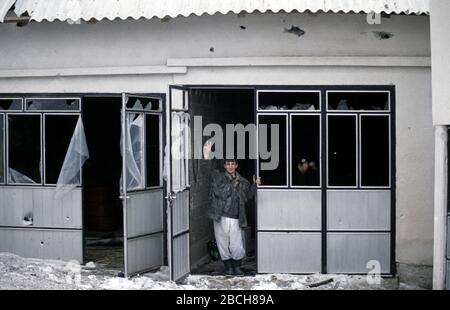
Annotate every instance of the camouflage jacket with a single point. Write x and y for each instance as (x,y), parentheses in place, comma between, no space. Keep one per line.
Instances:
(220,194)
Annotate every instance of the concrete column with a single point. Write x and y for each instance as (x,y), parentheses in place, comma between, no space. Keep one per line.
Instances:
(440,206)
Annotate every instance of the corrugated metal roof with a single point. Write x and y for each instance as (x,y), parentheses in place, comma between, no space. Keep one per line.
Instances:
(51,10)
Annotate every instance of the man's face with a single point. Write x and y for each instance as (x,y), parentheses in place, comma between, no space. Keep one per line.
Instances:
(230,167)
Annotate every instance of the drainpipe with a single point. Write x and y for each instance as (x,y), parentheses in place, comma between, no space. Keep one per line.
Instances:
(440,206)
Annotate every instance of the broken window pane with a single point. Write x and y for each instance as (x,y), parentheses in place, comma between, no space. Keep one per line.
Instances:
(277,176)
(342,150)
(152,148)
(53,104)
(2,148)
(365,101)
(24,152)
(305,150)
(134,132)
(375,162)
(11,104)
(288,100)
(59,130)
(179,150)
(143,104)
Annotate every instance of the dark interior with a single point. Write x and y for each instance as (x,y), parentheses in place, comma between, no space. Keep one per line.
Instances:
(223,106)
(102,208)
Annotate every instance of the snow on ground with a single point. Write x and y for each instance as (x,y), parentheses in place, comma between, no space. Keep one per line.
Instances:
(27,273)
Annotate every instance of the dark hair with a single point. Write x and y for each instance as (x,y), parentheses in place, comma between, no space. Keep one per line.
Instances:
(228,160)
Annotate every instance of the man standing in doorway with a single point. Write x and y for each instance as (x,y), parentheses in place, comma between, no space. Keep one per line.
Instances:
(229,193)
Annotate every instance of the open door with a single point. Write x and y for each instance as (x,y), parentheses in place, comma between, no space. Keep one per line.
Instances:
(141,184)
(178,191)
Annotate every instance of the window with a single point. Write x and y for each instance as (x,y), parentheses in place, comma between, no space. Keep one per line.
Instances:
(143,104)
(274,151)
(134,150)
(289,100)
(2,148)
(180,150)
(342,151)
(24,149)
(364,101)
(53,104)
(305,150)
(375,151)
(152,150)
(59,130)
(10,104)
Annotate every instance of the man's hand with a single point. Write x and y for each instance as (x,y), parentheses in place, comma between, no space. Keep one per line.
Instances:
(207,153)
(256,180)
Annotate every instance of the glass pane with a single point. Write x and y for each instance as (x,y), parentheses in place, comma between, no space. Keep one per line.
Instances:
(369,101)
(143,104)
(134,150)
(152,148)
(24,153)
(11,104)
(375,163)
(53,104)
(342,150)
(2,149)
(305,150)
(289,100)
(177,101)
(272,152)
(59,130)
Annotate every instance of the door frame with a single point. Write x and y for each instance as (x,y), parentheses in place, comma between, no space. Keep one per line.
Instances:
(391,89)
(118,96)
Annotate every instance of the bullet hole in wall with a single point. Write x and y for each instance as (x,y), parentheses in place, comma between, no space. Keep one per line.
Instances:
(294,30)
(382,35)
(211,49)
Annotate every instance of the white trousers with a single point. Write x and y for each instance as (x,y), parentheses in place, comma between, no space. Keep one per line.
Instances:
(229,238)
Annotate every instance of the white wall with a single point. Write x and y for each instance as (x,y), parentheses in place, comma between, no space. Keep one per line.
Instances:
(132,43)
(143,42)
(440,47)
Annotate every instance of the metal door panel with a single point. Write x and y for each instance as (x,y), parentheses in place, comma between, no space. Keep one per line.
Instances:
(145,212)
(359,210)
(146,253)
(352,252)
(281,252)
(289,209)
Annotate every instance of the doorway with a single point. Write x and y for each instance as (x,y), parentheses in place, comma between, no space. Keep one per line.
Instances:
(102,207)
(220,106)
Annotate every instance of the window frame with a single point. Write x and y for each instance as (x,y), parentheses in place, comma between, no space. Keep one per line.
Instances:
(42,114)
(258,91)
(26,99)
(160,103)
(3,150)
(327,110)
(41,166)
(291,185)
(388,115)
(288,148)
(13,98)
(355,116)
(161,163)
(44,149)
